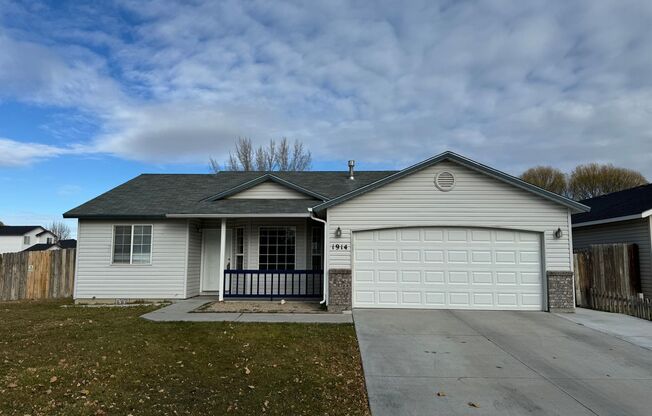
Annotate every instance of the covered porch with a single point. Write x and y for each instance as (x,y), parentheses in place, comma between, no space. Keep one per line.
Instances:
(256,257)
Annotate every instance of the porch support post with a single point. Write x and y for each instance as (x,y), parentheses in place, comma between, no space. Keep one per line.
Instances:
(222,254)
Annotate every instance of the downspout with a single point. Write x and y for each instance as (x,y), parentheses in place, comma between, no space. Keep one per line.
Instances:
(312,216)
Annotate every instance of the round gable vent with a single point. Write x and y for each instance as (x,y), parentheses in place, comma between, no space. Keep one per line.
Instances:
(445,181)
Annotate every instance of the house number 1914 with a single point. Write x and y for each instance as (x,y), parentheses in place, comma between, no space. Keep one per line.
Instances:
(338,247)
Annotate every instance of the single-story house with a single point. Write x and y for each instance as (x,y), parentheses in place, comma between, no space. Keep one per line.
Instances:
(620,217)
(57,245)
(447,233)
(15,238)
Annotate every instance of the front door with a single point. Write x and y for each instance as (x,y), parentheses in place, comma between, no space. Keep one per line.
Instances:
(211,259)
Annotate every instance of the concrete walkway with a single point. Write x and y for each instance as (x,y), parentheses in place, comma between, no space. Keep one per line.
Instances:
(181,311)
(628,328)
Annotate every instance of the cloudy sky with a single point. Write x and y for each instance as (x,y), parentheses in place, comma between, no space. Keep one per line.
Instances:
(92,95)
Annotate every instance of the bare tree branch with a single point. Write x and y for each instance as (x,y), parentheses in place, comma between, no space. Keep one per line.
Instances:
(60,229)
(271,157)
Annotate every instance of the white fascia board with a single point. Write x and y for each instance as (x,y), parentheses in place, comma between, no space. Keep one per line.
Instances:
(295,215)
(615,219)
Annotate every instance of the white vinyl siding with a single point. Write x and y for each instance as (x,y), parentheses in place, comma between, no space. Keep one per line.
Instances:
(634,232)
(477,200)
(164,278)
(270,190)
(194,258)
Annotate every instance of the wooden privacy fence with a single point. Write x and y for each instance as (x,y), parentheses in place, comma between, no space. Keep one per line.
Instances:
(37,274)
(607,268)
(615,302)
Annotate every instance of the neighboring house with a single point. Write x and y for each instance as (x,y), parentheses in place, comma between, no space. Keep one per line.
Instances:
(620,217)
(14,238)
(59,245)
(446,233)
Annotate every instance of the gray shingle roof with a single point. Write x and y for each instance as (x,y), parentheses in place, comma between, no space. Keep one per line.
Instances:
(17,229)
(158,195)
(617,204)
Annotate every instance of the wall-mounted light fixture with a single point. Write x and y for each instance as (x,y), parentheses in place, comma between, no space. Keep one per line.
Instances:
(338,232)
(558,233)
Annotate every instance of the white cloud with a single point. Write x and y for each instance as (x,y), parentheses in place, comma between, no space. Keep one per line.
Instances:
(510,82)
(14,153)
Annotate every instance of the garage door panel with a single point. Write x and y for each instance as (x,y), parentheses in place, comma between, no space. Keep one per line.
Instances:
(433,256)
(441,268)
(434,276)
(411,235)
(385,255)
(364,255)
(457,235)
(411,256)
(364,276)
(458,277)
(435,298)
(410,276)
(387,276)
(458,257)
(483,299)
(388,297)
(481,257)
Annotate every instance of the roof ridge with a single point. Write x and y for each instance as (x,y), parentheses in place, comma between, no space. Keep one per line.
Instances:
(273,172)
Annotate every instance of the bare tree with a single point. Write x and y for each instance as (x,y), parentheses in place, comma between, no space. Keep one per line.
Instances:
(60,229)
(593,179)
(272,157)
(301,158)
(548,178)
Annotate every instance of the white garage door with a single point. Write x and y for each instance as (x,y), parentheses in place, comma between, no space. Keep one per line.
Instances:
(447,268)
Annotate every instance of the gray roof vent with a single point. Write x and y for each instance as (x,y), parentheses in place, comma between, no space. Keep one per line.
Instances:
(445,181)
(351,167)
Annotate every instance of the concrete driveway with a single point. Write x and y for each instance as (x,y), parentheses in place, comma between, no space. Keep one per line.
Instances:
(498,363)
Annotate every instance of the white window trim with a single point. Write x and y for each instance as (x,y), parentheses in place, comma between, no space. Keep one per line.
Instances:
(26,240)
(131,245)
(235,246)
(289,227)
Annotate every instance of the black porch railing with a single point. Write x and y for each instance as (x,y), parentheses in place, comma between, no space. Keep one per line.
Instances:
(274,283)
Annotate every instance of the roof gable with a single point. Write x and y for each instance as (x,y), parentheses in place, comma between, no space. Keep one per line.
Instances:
(266,178)
(468,163)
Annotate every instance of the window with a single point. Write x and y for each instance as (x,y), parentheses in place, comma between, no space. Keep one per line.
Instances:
(49,240)
(239,248)
(132,244)
(276,248)
(316,248)
(26,240)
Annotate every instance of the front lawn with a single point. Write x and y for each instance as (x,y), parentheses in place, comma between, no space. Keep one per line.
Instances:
(107,361)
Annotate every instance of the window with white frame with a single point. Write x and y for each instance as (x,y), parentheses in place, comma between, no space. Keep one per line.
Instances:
(26,240)
(277,247)
(239,248)
(132,244)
